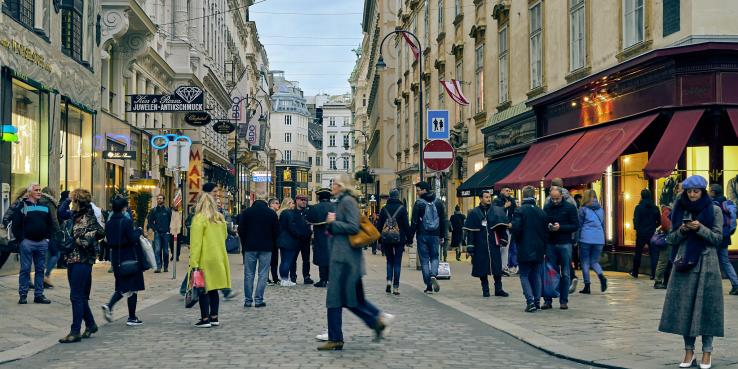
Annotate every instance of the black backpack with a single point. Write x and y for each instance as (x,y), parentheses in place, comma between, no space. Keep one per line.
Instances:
(391,230)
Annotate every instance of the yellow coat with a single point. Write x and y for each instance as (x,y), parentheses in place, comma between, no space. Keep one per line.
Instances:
(207,252)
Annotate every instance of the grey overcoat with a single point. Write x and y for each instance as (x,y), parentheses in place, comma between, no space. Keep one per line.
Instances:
(347,263)
(694,299)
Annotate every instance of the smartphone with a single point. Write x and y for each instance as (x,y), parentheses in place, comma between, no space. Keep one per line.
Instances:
(687,219)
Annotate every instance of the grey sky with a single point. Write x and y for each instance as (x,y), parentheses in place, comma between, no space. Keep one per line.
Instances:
(318,68)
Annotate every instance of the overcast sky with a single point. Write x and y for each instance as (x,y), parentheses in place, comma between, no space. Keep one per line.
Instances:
(319,69)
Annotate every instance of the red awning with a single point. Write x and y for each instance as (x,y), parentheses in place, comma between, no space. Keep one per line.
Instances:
(733,114)
(662,162)
(598,148)
(541,157)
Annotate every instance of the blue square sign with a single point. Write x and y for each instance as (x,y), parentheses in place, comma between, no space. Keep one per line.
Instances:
(438,125)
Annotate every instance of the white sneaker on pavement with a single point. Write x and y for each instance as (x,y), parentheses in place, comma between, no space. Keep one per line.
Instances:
(322,336)
(107,312)
(287,283)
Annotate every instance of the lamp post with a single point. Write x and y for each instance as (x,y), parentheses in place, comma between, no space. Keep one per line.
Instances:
(381,65)
(274,169)
(237,101)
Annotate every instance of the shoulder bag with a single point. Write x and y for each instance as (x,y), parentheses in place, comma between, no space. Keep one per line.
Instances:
(367,234)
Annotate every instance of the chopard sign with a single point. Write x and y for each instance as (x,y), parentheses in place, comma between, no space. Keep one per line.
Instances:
(185,98)
(197,118)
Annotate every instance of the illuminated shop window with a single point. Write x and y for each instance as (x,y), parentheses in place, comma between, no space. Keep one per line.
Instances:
(631,184)
(29,158)
(698,161)
(730,181)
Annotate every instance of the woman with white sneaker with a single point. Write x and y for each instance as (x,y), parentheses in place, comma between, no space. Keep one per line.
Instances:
(347,268)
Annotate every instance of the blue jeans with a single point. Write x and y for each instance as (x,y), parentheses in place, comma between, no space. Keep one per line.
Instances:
(367,312)
(428,253)
(80,282)
(250,259)
(589,255)
(393,253)
(560,257)
(530,279)
(53,259)
(287,257)
(32,252)
(161,245)
(726,266)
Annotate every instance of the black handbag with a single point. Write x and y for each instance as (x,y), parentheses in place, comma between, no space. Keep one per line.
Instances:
(127,267)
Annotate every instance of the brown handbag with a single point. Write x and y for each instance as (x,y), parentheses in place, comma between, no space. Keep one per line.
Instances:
(367,234)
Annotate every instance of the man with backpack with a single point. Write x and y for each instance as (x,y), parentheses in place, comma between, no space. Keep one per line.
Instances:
(429,227)
(729,224)
(394,227)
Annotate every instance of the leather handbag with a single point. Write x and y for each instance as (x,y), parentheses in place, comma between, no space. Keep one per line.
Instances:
(127,267)
(367,234)
(198,278)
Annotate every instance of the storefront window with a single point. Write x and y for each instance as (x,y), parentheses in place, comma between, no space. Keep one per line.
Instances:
(30,155)
(730,181)
(76,147)
(631,184)
(698,161)
(286,192)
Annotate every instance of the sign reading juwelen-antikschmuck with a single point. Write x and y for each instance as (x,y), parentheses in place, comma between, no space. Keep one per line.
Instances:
(184,98)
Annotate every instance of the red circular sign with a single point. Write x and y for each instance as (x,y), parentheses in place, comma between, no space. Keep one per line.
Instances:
(438,155)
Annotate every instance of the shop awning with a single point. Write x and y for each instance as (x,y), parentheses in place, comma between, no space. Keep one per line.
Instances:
(489,175)
(541,157)
(733,115)
(598,148)
(662,162)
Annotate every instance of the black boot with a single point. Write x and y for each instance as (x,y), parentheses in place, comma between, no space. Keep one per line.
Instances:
(603,282)
(485,287)
(585,289)
(499,292)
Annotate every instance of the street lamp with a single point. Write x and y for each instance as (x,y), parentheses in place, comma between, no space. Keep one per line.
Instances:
(381,65)
(237,101)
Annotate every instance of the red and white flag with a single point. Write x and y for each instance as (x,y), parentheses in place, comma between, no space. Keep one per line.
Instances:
(413,47)
(453,88)
(177,199)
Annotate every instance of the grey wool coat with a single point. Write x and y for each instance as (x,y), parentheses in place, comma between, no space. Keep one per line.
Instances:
(694,299)
(347,263)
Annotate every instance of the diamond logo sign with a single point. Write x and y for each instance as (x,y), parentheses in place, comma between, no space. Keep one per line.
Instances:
(188,93)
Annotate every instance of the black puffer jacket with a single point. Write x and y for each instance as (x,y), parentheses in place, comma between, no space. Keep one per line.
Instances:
(402,219)
(565,214)
(294,230)
(530,229)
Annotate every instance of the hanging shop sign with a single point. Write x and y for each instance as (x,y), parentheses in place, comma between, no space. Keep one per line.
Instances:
(194,173)
(224,127)
(197,118)
(184,98)
(123,155)
(160,142)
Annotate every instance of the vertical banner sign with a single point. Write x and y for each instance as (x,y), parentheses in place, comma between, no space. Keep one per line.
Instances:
(194,173)
(252,133)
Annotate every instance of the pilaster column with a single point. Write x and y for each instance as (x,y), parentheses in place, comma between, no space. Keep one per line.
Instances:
(140,89)
(180,19)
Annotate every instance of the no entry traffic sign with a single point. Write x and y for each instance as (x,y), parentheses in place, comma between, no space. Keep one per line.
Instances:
(438,155)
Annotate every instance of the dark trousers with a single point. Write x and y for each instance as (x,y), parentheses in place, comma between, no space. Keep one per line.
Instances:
(653,253)
(288,258)
(485,283)
(4,255)
(32,252)
(640,243)
(132,301)
(305,254)
(274,265)
(530,281)
(179,247)
(365,310)
(209,303)
(80,283)
(393,253)
(323,273)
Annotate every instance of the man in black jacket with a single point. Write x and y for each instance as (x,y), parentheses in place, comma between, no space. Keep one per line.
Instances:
(562,222)
(159,220)
(530,232)
(258,227)
(394,238)
(457,232)
(32,224)
(430,229)
(321,249)
(294,238)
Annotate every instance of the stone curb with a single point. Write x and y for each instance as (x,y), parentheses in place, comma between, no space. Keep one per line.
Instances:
(536,340)
(36,346)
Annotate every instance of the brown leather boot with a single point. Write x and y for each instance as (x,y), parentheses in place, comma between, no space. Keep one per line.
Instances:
(331,346)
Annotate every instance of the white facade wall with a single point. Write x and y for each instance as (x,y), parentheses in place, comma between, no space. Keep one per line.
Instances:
(338,142)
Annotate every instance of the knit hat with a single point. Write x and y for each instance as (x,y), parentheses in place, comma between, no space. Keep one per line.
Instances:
(394,194)
(694,182)
(423,185)
(208,187)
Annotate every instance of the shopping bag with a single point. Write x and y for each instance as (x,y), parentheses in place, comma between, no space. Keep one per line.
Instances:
(148,250)
(551,280)
(192,296)
(233,246)
(444,270)
(198,278)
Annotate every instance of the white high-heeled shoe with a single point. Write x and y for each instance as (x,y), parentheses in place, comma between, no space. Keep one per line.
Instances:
(708,365)
(689,364)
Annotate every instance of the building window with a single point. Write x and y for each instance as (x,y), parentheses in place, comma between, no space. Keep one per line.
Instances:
(288,120)
(332,163)
(71,30)
(346,141)
(288,137)
(479,79)
(631,185)
(21,10)
(76,148)
(310,161)
(633,23)
(345,164)
(332,141)
(672,16)
(457,7)
(288,155)
(503,66)
(577,39)
(30,115)
(460,77)
(441,9)
(332,121)
(536,49)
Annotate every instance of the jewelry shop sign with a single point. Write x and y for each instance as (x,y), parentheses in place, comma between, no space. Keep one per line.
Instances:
(184,98)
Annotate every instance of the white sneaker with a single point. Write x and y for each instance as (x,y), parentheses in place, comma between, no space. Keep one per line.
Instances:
(287,283)
(322,336)
(107,312)
(387,318)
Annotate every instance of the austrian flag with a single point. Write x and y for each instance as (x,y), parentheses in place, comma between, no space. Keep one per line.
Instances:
(453,88)
(413,47)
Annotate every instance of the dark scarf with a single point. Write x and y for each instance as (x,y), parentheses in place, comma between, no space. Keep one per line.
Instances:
(702,208)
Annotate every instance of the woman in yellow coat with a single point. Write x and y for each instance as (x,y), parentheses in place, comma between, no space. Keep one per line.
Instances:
(207,253)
